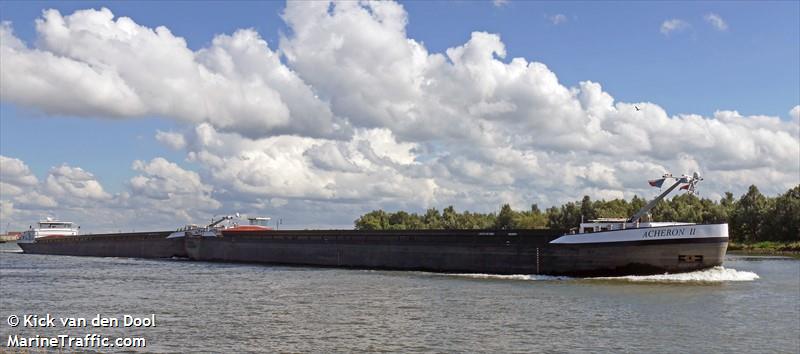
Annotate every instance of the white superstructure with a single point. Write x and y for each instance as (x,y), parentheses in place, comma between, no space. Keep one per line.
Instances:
(49,228)
(223,223)
(633,229)
(650,232)
(610,224)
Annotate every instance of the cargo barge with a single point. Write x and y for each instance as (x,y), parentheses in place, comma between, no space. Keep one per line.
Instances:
(62,238)
(604,247)
(472,251)
(132,245)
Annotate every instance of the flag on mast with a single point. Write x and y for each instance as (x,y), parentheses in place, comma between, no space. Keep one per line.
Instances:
(656,182)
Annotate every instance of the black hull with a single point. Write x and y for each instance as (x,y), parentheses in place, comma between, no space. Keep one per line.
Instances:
(133,245)
(454,251)
(617,259)
(512,252)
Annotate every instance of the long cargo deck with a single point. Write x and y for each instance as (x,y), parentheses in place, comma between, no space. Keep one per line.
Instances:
(468,251)
(513,251)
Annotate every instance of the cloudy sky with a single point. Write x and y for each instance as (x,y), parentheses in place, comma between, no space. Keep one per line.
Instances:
(149,115)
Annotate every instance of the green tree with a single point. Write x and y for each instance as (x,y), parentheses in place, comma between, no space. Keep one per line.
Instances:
(402,220)
(533,219)
(635,205)
(553,217)
(713,213)
(587,209)
(450,219)
(566,217)
(505,219)
(728,203)
(374,220)
(687,207)
(432,219)
(748,216)
(617,208)
(783,223)
(752,218)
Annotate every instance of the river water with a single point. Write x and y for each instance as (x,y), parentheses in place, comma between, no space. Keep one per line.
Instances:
(752,304)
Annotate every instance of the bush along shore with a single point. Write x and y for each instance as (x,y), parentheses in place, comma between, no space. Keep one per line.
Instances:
(757,223)
(770,248)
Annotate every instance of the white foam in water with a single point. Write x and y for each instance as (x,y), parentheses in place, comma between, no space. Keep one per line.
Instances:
(508,277)
(712,275)
(493,276)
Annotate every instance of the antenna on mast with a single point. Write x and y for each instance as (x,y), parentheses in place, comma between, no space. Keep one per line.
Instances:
(692,186)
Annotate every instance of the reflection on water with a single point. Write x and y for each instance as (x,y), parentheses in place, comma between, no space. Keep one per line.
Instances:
(747,305)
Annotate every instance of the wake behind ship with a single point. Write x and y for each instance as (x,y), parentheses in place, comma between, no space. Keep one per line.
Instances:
(603,247)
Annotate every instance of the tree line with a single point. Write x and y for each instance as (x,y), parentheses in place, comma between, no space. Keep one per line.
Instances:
(753,217)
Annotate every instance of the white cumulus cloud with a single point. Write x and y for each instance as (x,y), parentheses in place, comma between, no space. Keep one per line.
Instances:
(16,172)
(93,64)
(162,195)
(500,3)
(74,185)
(716,21)
(673,25)
(174,140)
(169,190)
(557,19)
(794,113)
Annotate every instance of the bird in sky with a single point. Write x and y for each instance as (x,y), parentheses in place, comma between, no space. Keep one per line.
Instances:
(637,108)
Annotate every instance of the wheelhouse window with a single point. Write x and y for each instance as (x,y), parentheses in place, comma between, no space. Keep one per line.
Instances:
(259,221)
(55,225)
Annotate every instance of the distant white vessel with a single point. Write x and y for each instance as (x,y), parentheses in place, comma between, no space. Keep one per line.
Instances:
(49,228)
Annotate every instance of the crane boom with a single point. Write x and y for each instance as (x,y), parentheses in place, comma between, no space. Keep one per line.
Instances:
(214,223)
(691,180)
